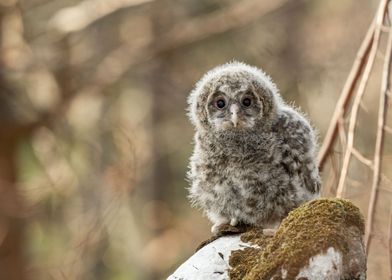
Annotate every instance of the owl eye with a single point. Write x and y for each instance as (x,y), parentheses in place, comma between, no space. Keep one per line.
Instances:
(246,102)
(220,103)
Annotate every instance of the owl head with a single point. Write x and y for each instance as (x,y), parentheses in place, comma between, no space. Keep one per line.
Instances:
(234,97)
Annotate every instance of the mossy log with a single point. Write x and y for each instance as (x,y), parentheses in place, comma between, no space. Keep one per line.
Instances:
(321,239)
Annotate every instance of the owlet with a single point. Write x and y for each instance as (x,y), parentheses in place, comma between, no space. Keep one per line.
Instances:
(254,155)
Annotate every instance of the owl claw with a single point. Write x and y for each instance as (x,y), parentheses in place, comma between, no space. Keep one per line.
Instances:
(215,228)
(234,222)
(218,222)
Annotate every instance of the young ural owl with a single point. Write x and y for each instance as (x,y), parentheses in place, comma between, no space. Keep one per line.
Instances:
(254,156)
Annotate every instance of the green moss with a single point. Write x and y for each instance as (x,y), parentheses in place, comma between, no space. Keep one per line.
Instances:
(242,261)
(307,231)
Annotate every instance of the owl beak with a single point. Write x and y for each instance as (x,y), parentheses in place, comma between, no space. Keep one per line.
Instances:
(234,114)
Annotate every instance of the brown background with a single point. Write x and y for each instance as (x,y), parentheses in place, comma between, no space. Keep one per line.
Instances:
(94,141)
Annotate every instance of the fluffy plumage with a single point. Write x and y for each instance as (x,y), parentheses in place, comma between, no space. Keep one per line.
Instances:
(254,156)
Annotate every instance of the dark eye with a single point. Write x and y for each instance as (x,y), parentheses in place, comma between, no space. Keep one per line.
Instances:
(220,103)
(246,102)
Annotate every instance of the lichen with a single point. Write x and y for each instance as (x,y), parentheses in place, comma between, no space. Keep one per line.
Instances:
(307,231)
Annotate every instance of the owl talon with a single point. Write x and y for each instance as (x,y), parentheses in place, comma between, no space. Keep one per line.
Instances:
(215,228)
(234,222)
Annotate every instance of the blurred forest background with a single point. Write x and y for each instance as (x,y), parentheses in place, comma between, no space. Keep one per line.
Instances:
(94,140)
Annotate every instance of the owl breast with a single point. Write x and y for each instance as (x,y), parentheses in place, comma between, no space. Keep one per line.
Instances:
(255,187)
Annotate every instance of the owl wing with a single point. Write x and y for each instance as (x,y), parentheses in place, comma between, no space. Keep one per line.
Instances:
(311,178)
(298,146)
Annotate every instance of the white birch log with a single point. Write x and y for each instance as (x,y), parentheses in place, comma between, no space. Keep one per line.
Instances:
(320,240)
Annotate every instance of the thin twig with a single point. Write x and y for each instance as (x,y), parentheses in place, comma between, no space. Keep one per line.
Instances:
(369,163)
(331,181)
(362,158)
(329,188)
(342,131)
(379,138)
(358,98)
(345,96)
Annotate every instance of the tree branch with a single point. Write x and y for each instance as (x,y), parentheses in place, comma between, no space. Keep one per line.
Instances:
(345,95)
(379,138)
(361,90)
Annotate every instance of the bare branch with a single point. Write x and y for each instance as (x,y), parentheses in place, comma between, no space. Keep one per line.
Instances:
(358,97)
(332,176)
(80,16)
(342,131)
(362,158)
(379,138)
(345,96)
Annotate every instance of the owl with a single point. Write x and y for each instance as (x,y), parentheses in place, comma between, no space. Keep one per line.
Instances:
(254,158)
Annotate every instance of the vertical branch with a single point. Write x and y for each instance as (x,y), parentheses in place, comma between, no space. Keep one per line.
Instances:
(328,189)
(379,138)
(358,97)
(345,96)
(342,131)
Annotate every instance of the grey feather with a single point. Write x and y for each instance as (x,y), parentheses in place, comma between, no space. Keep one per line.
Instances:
(254,160)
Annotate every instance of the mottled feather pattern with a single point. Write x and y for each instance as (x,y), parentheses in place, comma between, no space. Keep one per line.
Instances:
(258,170)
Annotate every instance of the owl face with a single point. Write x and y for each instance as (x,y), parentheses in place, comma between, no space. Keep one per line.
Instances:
(233,97)
(233,108)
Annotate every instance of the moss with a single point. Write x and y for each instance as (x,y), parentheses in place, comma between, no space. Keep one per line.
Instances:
(242,261)
(307,231)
